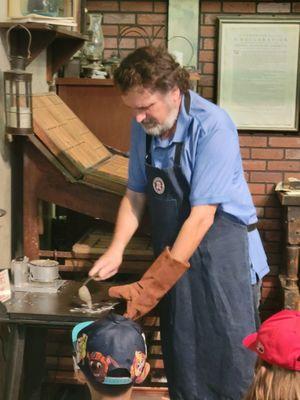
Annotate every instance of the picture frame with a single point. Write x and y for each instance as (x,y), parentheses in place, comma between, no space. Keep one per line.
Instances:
(258,72)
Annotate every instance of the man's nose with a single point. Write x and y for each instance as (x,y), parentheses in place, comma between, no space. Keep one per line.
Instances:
(140,116)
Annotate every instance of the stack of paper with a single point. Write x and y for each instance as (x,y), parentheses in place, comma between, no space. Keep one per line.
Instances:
(5,291)
(76,148)
(43,19)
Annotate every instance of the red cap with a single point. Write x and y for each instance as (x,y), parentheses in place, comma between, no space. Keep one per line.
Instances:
(278,340)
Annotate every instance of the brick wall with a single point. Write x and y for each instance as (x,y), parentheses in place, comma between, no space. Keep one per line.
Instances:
(268,158)
(151,16)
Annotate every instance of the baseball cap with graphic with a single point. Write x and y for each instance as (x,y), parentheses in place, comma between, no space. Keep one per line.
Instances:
(278,340)
(110,351)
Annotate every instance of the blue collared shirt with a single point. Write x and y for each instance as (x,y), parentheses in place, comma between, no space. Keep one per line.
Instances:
(211,162)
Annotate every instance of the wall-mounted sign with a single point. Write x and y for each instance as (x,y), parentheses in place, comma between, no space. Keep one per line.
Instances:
(258,72)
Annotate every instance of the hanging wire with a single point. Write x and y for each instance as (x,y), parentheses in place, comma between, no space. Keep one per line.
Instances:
(190,44)
(125,31)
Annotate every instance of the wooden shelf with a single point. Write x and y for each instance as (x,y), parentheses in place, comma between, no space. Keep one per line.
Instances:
(84,82)
(60,43)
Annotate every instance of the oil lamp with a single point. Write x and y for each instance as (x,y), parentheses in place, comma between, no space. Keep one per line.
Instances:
(17,90)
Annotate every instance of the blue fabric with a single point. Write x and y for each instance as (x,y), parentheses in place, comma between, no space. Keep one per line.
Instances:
(211,163)
(213,298)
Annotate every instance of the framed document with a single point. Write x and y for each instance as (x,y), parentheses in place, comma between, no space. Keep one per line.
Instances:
(258,72)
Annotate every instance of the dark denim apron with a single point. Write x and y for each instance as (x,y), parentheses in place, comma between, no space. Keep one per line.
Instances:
(210,310)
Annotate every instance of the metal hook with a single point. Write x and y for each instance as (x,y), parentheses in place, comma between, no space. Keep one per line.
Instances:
(8,39)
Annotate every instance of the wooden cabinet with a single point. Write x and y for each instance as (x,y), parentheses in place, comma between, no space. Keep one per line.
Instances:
(98,104)
(290,278)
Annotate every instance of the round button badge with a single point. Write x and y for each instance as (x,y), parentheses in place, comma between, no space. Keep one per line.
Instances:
(158,185)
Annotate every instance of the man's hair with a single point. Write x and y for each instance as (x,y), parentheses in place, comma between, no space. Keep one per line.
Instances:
(153,68)
(274,383)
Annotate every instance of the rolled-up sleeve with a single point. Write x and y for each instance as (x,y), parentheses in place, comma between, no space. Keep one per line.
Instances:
(137,180)
(216,157)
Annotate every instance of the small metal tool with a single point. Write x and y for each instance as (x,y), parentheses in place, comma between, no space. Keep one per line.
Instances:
(84,293)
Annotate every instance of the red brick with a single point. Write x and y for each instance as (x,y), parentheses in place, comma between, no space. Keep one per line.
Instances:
(157,42)
(119,18)
(271,248)
(247,176)
(292,154)
(206,55)
(207,31)
(264,200)
(284,141)
(160,31)
(110,30)
(206,80)
(124,53)
(209,44)
(257,188)
(270,224)
(270,292)
(274,8)
(273,236)
(273,212)
(208,93)
(245,153)
(99,5)
(108,53)
(210,19)
(260,212)
(136,6)
(270,188)
(160,7)
(253,141)
(208,68)
(296,7)
(291,175)
(110,43)
(127,43)
(275,258)
(210,6)
(239,7)
(271,281)
(267,154)
(251,165)
(264,177)
(151,19)
(284,165)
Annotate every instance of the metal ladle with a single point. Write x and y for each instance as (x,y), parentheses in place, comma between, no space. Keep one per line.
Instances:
(84,293)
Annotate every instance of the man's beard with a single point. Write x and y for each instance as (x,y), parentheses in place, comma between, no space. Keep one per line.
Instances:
(152,127)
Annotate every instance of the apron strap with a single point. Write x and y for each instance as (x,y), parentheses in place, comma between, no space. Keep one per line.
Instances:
(148,149)
(177,157)
(187,102)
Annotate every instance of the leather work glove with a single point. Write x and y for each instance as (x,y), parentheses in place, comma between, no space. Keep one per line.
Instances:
(142,296)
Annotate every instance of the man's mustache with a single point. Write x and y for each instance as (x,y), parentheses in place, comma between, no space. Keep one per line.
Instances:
(150,122)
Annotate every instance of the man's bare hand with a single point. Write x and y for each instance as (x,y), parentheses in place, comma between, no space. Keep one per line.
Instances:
(107,265)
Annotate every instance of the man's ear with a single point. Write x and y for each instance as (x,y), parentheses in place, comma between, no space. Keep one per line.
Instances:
(144,374)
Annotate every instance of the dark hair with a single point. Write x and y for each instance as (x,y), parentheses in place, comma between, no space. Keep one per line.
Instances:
(153,68)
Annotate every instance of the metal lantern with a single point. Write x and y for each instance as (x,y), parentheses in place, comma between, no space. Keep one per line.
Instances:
(17,91)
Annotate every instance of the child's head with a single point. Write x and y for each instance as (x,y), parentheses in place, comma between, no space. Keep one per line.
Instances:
(277,344)
(111,353)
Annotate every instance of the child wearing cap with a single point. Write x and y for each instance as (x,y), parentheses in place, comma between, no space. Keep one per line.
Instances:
(277,344)
(111,356)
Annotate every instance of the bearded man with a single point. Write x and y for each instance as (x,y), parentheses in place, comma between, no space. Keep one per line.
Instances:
(185,163)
